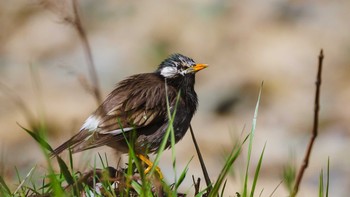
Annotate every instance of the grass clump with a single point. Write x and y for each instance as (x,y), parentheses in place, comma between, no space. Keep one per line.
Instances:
(128,181)
(132,181)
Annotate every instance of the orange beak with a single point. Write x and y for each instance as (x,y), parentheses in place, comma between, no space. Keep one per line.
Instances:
(199,67)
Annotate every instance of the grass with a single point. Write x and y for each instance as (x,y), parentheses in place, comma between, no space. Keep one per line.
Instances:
(131,179)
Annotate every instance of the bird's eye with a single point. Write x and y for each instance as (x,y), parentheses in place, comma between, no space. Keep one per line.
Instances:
(185,65)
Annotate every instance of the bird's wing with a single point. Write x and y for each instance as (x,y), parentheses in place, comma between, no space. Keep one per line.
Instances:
(137,102)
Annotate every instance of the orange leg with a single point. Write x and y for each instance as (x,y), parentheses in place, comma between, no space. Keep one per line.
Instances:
(150,165)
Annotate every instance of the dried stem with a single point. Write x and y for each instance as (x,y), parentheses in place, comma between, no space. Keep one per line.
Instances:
(204,169)
(315,126)
(196,185)
(86,45)
(70,15)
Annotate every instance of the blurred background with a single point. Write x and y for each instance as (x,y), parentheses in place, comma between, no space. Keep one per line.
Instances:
(44,67)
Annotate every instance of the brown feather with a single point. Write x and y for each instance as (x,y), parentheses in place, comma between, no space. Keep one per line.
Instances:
(129,105)
(132,105)
(139,104)
(71,143)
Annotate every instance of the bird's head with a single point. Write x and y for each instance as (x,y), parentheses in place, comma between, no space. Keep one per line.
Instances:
(178,65)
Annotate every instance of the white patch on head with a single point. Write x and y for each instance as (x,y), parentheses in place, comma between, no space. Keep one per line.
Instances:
(91,123)
(169,72)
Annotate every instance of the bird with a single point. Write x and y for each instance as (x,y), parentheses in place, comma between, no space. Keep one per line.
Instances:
(140,104)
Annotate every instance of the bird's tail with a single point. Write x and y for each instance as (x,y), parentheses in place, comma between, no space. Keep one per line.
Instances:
(73,142)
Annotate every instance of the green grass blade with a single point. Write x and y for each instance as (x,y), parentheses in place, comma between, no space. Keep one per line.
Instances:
(42,188)
(251,137)
(182,176)
(201,193)
(327,184)
(289,174)
(65,171)
(256,176)
(34,188)
(137,187)
(320,190)
(101,160)
(94,176)
(167,189)
(3,186)
(145,184)
(228,164)
(38,138)
(223,189)
(105,177)
(172,135)
(173,153)
(55,184)
(129,174)
(132,153)
(71,160)
(168,131)
(18,176)
(25,179)
(106,159)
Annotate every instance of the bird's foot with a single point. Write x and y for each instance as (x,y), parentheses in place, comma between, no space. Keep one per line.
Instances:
(150,165)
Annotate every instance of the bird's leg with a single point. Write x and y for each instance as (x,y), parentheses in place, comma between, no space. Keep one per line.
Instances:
(150,165)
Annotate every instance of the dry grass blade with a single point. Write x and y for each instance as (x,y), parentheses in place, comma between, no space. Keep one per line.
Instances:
(25,179)
(68,11)
(204,169)
(315,126)
(86,45)
(276,188)
(196,185)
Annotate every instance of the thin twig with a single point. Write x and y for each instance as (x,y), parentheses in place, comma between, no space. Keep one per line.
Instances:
(86,45)
(204,169)
(276,188)
(196,185)
(315,126)
(72,18)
